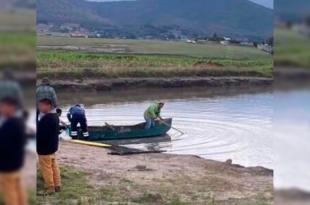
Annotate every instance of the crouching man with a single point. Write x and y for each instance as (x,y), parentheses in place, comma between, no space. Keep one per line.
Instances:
(47,146)
(76,115)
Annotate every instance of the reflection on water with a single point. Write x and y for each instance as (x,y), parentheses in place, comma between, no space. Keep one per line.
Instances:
(292,137)
(216,127)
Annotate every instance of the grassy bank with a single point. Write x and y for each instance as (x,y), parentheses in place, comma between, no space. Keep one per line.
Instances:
(154,179)
(77,190)
(64,64)
(17,39)
(17,50)
(17,20)
(64,57)
(291,49)
(127,46)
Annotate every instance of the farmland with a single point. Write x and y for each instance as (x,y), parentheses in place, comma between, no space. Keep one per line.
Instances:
(16,48)
(62,57)
(291,49)
(17,39)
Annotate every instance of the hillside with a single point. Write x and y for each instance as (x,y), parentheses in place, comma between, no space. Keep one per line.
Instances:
(141,18)
(10,4)
(289,10)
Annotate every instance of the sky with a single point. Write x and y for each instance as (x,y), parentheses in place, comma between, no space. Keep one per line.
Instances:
(266,3)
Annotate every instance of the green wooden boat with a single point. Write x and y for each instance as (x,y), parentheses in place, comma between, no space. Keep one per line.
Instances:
(111,132)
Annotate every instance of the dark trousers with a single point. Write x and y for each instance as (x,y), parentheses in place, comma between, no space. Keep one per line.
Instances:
(75,120)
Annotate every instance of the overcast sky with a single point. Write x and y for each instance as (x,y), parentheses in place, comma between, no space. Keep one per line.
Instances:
(267,3)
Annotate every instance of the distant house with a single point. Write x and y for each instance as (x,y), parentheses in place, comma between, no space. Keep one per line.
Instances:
(225,43)
(247,43)
(44,28)
(302,29)
(70,26)
(265,47)
(78,35)
(191,41)
(201,41)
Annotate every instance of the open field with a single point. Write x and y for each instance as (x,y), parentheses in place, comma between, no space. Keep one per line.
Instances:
(17,20)
(155,179)
(126,46)
(17,50)
(60,64)
(63,57)
(17,39)
(291,49)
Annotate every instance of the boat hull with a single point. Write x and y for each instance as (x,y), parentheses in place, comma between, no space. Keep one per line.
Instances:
(110,132)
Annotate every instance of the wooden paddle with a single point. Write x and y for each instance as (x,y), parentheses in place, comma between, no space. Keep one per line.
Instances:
(161,121)
(109,126)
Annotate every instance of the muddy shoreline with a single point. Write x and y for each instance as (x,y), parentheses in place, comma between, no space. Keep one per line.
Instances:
(193,179)
(104,84)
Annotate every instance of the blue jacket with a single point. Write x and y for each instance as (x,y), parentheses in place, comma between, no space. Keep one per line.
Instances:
(75,111)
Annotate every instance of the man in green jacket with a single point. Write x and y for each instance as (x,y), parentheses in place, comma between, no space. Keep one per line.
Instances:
(45,91)
(152,113)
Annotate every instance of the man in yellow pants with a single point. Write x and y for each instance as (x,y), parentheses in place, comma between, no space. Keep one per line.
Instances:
(12,188)
(12,144)
(47,146)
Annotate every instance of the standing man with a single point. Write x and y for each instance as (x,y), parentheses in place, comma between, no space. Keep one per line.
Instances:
(47,146)
(12,143)
(76,115)
(46,91)
(152,113)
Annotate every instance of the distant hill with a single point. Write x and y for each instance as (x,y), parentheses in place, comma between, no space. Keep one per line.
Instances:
(141,18)
(292,10)
(14,4)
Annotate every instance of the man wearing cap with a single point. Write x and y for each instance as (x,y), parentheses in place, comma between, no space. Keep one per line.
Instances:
(46,91)
(152,113)
(12,143)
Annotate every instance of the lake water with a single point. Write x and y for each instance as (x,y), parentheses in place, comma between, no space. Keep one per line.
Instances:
(291,129)
(215,126)
(253,127)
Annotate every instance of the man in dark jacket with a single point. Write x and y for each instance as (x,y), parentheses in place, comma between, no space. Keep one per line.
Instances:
(12,144)
(47,145)
(76,115)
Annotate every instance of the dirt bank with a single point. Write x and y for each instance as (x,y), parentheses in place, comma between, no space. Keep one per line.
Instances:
(157,177)
(105,84)
(29,170)
(292,197)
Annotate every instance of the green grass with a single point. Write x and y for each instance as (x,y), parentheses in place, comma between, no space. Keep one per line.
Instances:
(20,20)
(73,64)
(17,39)
(112,58)
(17,49)
(75,189)
(126,46)
(291,49)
